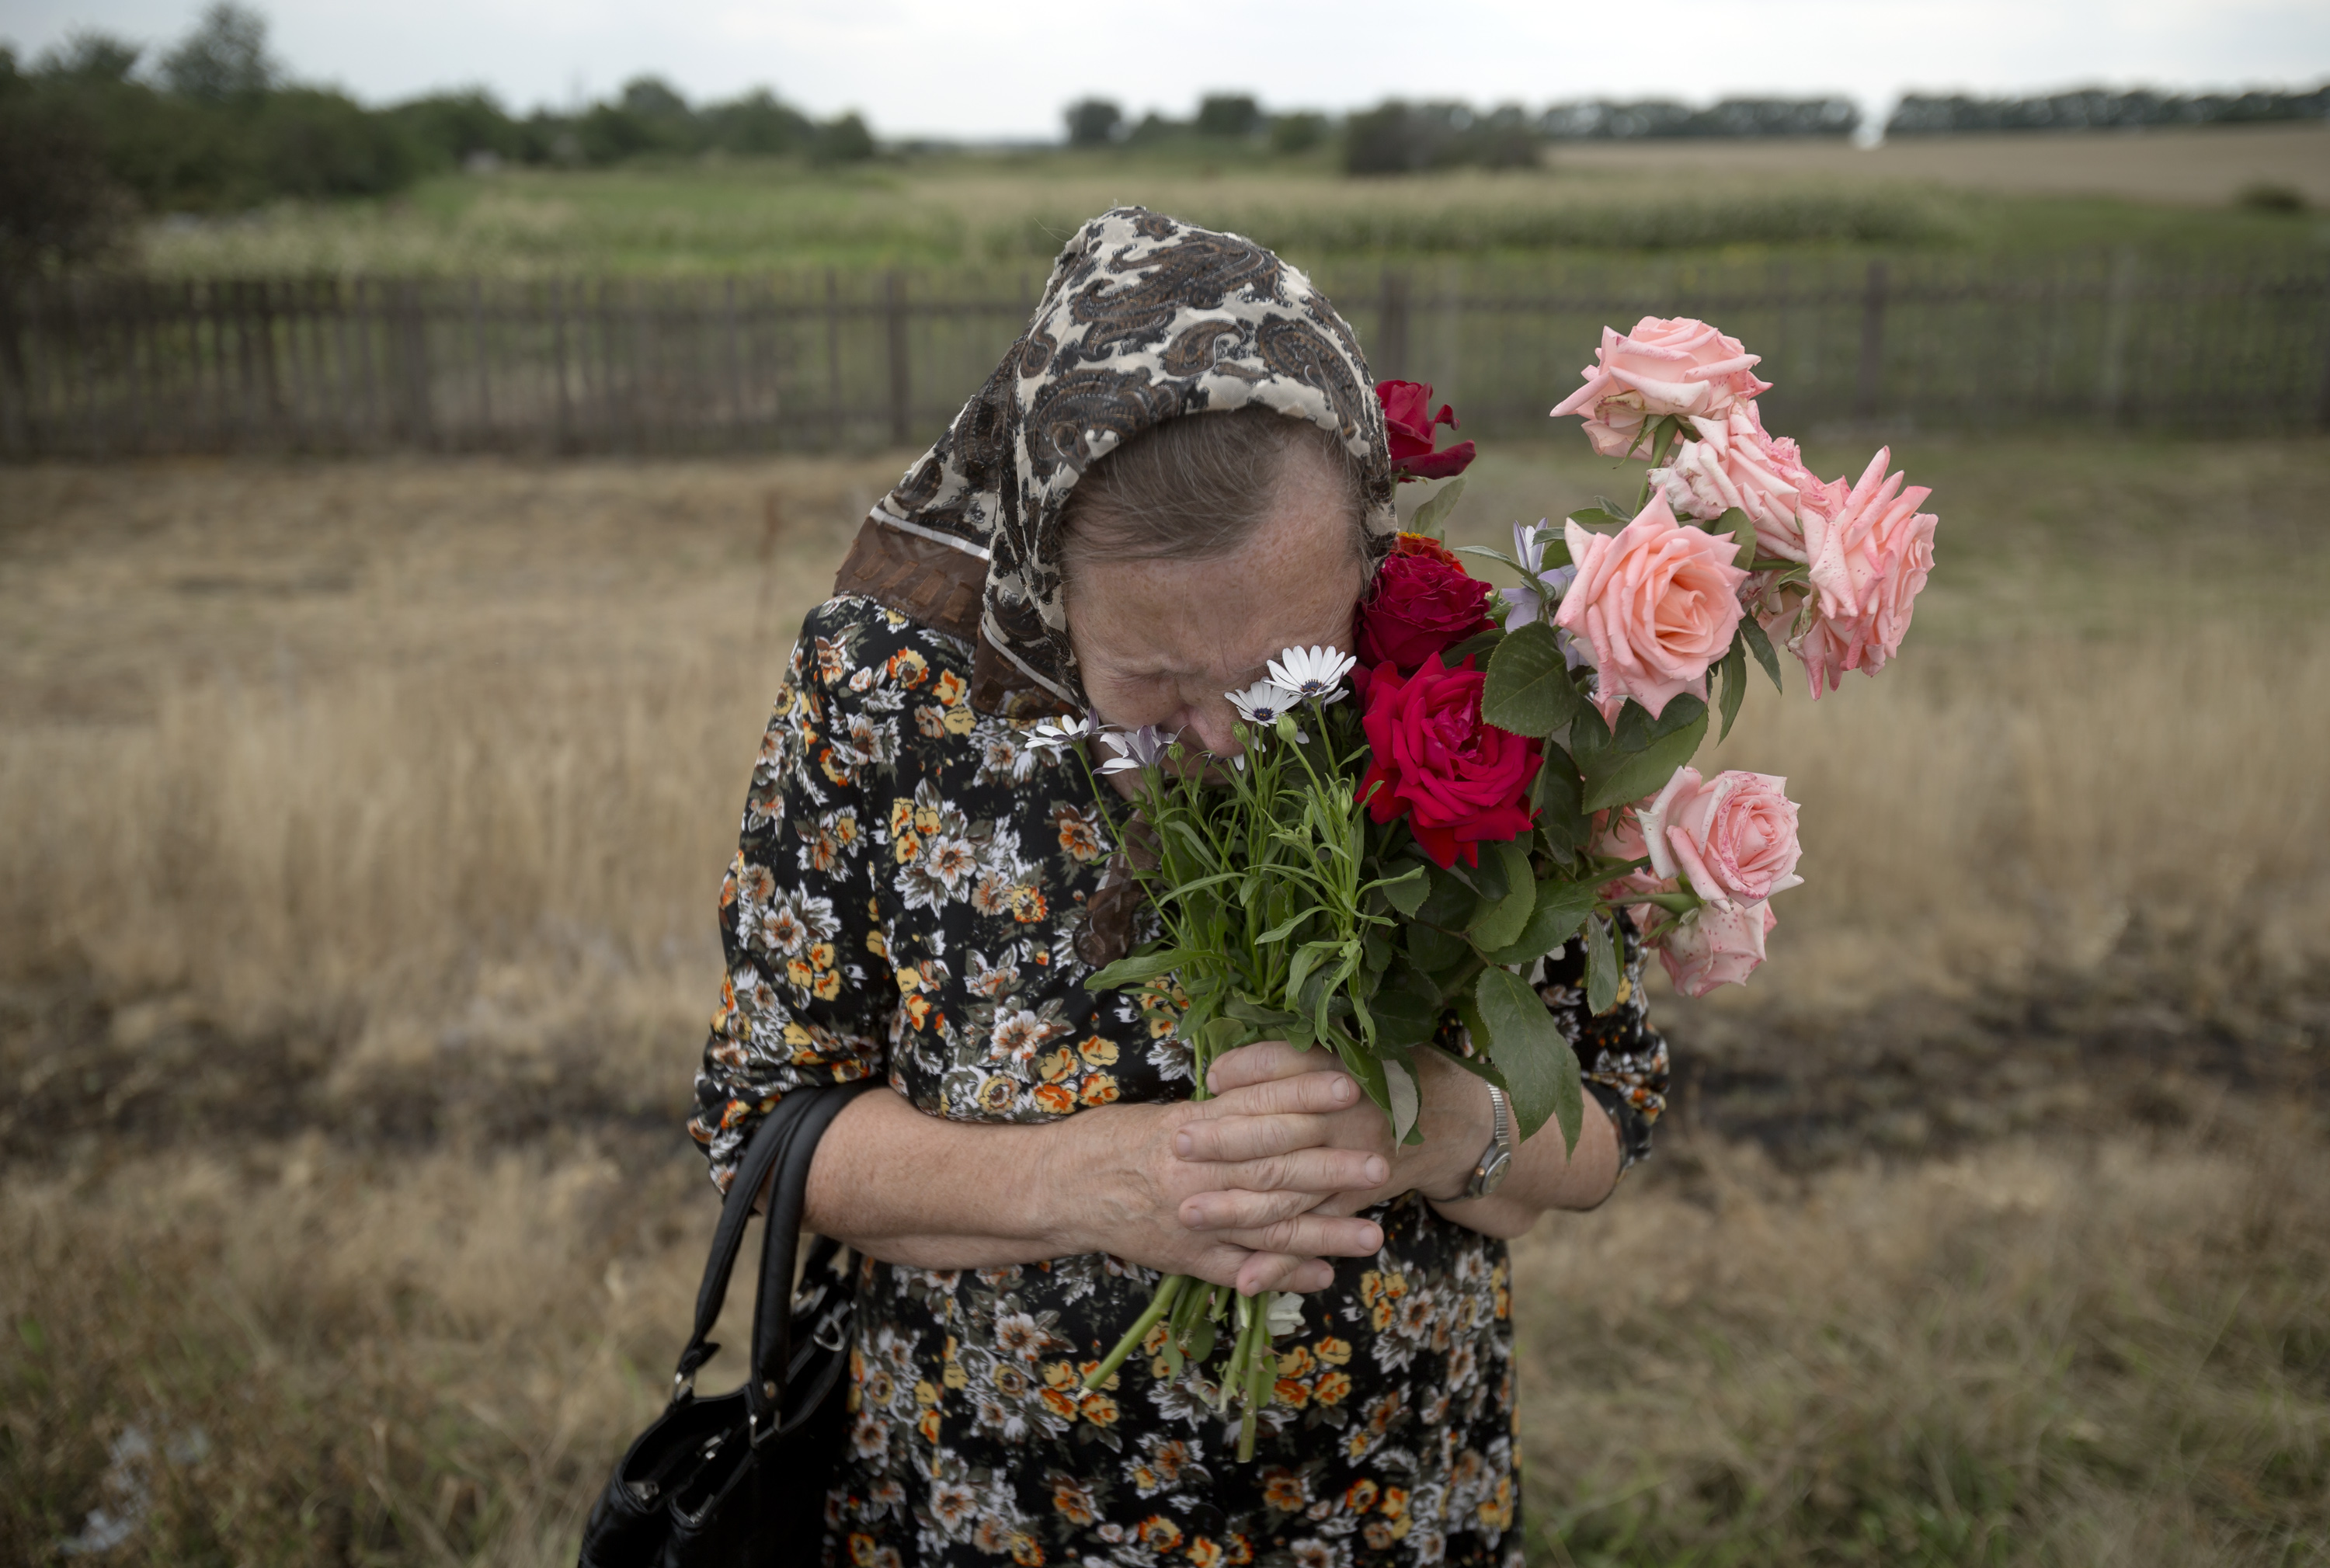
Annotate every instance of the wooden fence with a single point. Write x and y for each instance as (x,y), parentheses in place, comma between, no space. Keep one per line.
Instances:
(824,361)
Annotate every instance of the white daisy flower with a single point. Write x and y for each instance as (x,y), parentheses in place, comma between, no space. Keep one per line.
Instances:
(1314,675)
(1261,704)
(1054,736)
(1141,747)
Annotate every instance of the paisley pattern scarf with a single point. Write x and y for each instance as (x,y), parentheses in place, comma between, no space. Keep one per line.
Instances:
(1145,318)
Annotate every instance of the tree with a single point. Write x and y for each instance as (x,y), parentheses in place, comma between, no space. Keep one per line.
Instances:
(1224,114)
(1297,133)
(844,141)
(224,59)
(58,206)
(92,57)
(1094,122)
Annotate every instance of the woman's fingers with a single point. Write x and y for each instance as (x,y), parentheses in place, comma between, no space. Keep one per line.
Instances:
(1259,1062)
(1289,1183)
(1311,1236)
(1253,1271)
(1278,1271)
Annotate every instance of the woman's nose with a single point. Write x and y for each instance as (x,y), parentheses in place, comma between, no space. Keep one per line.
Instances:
(1210,728)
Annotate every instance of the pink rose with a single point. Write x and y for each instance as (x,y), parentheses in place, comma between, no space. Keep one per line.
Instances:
(1734,463)
(1716,946)
(1732,837)
(1869,561)
(1662,367)
(1656,603)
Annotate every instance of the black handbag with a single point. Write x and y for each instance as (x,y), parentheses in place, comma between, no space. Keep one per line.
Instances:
(741,1477)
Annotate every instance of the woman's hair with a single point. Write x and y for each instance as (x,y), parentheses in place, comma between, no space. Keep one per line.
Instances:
(1196,487)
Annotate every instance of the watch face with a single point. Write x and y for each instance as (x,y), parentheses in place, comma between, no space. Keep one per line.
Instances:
(1493,1169)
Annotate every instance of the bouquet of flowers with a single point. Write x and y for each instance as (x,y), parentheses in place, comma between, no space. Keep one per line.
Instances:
(1411,826)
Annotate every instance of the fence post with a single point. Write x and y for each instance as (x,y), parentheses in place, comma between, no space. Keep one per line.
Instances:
(1390,360)
(833,357)
(894,305)
(18,428)
(412,366)
(2322,405)
(1873,343)
(2113,372)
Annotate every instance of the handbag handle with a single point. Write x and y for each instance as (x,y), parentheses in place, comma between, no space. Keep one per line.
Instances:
(768,1142)
(772,1309)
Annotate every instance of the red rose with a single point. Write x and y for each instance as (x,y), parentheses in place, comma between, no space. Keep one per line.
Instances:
(1409,423)
(1457,780)
(1423,602)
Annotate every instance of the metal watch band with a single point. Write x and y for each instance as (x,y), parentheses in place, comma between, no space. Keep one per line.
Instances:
(1498,1158)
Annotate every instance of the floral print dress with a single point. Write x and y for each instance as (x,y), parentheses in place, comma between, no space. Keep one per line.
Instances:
(905,901)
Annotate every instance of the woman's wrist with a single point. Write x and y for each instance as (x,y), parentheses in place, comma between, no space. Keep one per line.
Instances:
(1458,1121)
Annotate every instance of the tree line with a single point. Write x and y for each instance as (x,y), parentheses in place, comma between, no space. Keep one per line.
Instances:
(1399,137)
(2098,108)
(93,133)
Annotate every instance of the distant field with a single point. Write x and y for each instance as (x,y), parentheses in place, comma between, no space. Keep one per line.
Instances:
(2161,189)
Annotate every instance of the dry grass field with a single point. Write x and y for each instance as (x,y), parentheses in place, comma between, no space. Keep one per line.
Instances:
(363,827)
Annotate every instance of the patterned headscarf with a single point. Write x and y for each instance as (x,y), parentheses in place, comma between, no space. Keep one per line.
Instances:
(1145,318)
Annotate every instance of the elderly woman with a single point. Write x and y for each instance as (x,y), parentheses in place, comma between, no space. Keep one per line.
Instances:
(1179,469)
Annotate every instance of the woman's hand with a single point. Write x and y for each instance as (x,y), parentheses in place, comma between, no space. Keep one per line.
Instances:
(1277,1108)
(1126,1187)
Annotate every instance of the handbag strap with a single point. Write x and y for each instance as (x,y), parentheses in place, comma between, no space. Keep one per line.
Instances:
(769,1141)
(773,1310)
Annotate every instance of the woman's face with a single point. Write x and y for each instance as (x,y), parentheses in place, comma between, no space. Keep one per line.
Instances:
(1161,642)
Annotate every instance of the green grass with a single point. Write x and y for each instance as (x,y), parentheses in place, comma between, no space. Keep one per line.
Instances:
(1014,209)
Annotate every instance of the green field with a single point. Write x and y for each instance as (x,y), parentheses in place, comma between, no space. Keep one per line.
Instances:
(2169,191)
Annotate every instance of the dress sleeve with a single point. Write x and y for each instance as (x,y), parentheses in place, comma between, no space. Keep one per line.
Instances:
(1623,1060)
(808,988)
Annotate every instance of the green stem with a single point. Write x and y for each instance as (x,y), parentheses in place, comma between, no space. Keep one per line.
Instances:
(1159,1305)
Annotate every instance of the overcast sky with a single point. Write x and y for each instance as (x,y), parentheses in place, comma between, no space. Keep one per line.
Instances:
(1004,71)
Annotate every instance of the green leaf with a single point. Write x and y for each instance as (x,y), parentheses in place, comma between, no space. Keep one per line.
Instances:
(1407,890)
(1435,950)
(1601,965)
(1734,674)
(1742,529)
(1616,777)
(1637,729)
(1616,511)
(1499,924)
(1406,1099)
(1488,553)
(1561,907)
(1557,795)
(1473,646)
(1540,1068)
(1605,513)
(1198,1343)
(1308,957)
(1429,515)
(1673,903)
(1133,970)
(1377,948)
(1529,690)
(1479,1067)
(1752,631)
(1449,904)
(1406,1006)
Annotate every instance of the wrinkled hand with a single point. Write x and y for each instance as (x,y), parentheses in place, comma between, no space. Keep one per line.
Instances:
(1277,1104)
(1141,1207)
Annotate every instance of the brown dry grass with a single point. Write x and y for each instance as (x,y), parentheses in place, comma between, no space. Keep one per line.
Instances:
(363,823)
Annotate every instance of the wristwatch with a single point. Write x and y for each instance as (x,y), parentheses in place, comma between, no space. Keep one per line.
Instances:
(1496,1159)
